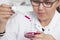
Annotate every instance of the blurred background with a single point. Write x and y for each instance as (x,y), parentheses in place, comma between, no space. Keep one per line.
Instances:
(21,5)
(16,2)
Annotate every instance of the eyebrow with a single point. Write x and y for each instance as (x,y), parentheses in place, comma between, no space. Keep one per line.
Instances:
(44,0)
(48,0)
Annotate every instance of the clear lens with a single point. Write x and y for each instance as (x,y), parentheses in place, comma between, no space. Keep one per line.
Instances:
(47,3)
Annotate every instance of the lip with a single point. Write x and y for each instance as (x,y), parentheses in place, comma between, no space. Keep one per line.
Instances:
(41,14)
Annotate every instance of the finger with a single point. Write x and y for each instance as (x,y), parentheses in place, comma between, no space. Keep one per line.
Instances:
(5,17)
(5,9)
(6,13)
(2,16)
(36,39)
(5,5)
(42,35)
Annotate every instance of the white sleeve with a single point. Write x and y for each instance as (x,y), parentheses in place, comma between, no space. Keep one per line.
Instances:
(11,30)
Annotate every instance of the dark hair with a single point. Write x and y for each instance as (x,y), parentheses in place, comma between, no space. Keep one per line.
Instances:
(58,9)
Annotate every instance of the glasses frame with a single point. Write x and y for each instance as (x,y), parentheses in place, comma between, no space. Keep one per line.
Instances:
(43,3)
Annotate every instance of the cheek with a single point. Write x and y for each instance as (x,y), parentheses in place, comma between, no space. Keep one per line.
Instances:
(51,10)
(35,9)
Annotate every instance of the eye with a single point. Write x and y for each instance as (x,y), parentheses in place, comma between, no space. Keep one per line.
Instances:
(48,3)
(36,1)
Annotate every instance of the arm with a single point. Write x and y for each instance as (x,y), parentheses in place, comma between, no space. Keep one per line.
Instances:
(5,13)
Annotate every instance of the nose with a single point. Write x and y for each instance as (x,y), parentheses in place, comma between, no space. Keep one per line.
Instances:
(41,7)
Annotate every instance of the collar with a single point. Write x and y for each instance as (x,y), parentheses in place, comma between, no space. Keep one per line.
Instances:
(51,25)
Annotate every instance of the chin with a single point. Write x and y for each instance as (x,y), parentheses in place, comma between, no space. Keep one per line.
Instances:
(42,19)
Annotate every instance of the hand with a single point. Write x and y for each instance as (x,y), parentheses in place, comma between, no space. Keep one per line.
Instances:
(5,13)
(43,36)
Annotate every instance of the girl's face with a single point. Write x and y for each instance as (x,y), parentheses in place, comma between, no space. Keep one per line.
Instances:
(44,9)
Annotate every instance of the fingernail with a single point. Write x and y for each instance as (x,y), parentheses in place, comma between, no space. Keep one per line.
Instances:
(10,7)
(12,11)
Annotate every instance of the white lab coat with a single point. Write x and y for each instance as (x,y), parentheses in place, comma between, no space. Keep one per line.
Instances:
(21,23)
